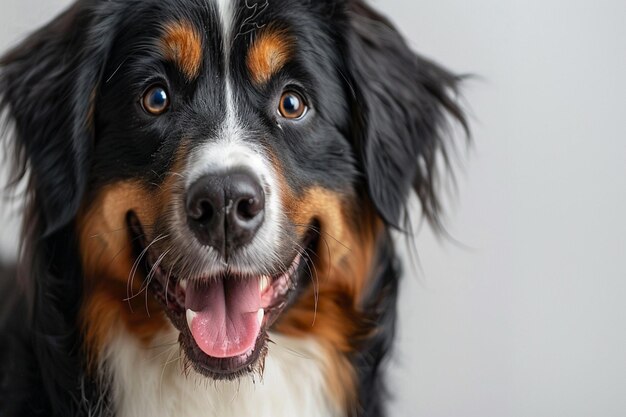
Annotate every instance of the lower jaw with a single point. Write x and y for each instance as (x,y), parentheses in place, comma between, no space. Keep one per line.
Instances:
(230,368)
(224,368)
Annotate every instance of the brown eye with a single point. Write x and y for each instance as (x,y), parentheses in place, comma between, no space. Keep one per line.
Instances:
(292,105)
(156,100)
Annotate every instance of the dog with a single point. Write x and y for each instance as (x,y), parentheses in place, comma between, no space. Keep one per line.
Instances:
(211,187)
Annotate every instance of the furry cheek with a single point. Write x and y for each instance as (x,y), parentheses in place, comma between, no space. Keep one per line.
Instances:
(331,309)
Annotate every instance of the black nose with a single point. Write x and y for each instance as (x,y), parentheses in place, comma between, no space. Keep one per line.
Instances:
(225,211)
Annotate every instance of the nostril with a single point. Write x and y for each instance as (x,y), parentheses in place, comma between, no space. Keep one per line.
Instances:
(204,212)
(200,210)
(248,208)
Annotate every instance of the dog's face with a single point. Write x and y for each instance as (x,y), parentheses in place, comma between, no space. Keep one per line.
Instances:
(236,159)
(221,147)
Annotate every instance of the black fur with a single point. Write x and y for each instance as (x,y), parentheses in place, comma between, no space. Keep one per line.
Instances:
(47,85)
(380,317)
(401,102)
(378,130)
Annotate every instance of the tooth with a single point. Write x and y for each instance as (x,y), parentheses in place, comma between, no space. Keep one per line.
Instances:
(183,284)
(260,315)
(190,316)
(264,283)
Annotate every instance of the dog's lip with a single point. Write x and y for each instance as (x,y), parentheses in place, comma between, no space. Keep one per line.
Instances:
(276,292)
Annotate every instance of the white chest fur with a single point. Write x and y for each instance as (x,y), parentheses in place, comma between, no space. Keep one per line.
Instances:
(150,382)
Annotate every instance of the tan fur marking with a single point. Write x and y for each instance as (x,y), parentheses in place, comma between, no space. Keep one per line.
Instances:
(113,294)
(268,54)
(182,44)
(107,260)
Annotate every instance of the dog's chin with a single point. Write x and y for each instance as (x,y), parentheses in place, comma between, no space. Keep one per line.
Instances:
(223,320)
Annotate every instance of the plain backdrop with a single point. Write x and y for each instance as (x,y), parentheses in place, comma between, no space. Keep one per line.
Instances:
(522,312)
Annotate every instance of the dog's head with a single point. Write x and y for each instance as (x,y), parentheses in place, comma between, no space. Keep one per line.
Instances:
(237,159)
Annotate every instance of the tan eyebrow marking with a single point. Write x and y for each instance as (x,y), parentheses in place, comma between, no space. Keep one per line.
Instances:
(268,54)
(182,44)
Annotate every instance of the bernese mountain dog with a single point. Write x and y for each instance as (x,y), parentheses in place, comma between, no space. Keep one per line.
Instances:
(210,190)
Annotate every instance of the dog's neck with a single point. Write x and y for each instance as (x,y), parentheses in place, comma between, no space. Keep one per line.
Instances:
(154,382)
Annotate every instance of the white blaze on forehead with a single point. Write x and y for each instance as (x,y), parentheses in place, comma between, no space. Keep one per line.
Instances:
(226,12)
(227,149)
(225,9)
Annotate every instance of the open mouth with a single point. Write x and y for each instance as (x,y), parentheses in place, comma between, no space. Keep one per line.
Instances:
(223,320)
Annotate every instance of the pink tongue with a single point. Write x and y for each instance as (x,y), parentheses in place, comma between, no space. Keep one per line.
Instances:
(226,321)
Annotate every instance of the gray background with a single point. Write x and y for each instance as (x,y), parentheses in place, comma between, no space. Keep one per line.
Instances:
(525,317)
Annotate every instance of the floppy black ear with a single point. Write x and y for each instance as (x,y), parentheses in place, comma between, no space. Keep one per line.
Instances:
(401,104)
(47,88)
